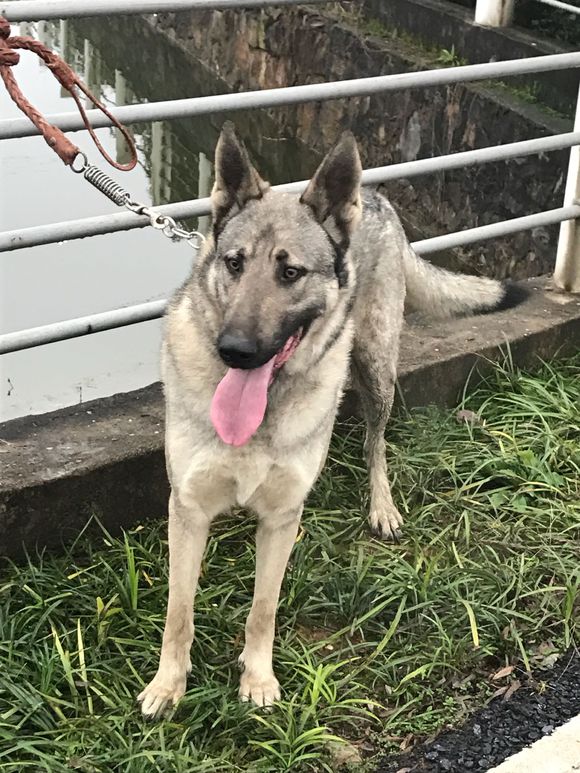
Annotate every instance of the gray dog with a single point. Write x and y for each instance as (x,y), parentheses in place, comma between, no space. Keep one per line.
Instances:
(289,295)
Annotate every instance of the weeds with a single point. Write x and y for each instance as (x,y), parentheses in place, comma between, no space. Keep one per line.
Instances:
(449,58)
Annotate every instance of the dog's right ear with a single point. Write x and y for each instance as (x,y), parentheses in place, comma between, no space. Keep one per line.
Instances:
(236,180)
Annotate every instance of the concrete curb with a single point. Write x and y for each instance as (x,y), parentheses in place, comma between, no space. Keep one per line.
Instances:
(105,458)
(555,753)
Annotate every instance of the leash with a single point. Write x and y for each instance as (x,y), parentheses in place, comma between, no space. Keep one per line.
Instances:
(64,148)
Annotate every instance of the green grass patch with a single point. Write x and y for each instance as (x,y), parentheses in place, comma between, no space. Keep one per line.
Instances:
(377,644)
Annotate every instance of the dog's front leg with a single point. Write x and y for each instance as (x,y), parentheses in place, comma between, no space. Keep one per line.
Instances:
(275,538)
(188,531)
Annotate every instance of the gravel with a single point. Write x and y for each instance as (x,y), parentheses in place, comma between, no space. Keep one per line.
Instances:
(545,701)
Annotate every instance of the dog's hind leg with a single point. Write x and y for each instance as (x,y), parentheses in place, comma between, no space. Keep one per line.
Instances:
(188,531)
(374,363)
(275,538)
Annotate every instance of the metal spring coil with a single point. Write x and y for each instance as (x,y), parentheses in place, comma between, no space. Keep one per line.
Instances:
(103,183)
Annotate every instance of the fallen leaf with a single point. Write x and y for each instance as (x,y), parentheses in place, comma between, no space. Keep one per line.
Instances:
(503,672)
(406,742)
(514,686)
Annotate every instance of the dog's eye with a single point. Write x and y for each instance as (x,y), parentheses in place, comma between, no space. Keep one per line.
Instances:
(291,273)
(234,265)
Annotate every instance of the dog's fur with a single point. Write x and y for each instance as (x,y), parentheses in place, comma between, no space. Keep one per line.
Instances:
(356,268)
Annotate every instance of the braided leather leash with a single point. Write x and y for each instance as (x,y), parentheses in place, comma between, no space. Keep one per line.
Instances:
(63,147)
(56,140)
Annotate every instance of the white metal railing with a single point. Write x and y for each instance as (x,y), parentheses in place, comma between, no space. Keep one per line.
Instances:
(568,261)
(168,110)
(144,312)
(295,95)
(104,224)
(43,10)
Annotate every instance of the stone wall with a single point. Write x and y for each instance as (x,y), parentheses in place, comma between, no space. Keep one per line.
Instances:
(440,24)
(275,48)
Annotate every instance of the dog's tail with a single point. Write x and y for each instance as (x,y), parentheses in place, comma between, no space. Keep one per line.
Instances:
(441,293)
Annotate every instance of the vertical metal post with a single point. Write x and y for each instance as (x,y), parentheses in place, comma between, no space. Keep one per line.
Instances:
(494,13)
(567,271)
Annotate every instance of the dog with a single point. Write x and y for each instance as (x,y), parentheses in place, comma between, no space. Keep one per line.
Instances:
(289,297)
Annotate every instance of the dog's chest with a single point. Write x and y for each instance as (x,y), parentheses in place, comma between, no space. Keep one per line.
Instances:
(260,481)
(249,475)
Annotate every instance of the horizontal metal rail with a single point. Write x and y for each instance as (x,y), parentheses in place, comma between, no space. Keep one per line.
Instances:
(103,224)
(81,326)
(293,95)
(495,230)
(42,10)
(109,320)
(561,6)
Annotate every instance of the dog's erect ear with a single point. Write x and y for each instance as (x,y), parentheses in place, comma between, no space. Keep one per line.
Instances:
(236,180)
(334,191)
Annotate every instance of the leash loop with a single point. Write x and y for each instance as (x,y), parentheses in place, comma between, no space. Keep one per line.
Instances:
(84,163)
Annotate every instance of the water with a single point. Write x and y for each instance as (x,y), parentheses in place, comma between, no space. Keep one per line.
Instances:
(122,61)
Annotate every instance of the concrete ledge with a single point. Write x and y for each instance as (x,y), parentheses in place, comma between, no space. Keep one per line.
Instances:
(105,458)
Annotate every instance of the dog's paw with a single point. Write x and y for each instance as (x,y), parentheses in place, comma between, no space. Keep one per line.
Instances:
(386,523)
(263,690)
(161,694)
(258,685)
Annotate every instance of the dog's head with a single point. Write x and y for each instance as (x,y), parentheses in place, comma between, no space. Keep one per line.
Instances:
(278,259)
(279,263)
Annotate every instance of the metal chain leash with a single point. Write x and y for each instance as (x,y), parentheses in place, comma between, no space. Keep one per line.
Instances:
(122,198)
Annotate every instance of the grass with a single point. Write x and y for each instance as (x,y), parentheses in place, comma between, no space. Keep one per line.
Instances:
(377,644)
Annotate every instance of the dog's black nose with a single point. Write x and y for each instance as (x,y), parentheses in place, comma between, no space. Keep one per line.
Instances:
(238,350)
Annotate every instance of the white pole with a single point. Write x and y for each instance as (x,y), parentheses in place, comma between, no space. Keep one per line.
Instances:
(494,13)
(567,271)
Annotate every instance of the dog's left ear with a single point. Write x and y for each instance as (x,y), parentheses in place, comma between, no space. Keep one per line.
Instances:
(236,180)
(334,191)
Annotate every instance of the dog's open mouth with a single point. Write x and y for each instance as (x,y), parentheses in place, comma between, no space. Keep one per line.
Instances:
(239,402)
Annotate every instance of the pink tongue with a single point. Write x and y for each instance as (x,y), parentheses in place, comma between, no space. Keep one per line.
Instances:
(239,403)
